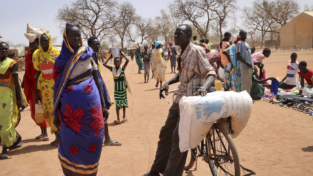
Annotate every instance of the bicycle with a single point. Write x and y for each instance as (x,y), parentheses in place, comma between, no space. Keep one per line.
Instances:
(217,149)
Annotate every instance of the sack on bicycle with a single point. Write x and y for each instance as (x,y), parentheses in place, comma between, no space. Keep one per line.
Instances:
(197,114)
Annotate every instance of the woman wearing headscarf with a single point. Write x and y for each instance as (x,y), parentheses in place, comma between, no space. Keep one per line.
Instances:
(235,74)
(159,65)
(81,100)
(138,58)
(29,84)
(12,101)
(43,60)
(172,54)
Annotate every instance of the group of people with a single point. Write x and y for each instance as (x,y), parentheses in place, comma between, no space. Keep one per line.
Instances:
(76,102)
(240,64)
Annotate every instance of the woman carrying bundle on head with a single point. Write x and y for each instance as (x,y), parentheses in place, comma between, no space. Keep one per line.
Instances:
(120,84)
(159,65)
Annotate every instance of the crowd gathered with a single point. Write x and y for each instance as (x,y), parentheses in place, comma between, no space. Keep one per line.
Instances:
(75,101)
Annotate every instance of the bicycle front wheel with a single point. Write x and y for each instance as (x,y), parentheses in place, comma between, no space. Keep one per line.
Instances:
(222,151)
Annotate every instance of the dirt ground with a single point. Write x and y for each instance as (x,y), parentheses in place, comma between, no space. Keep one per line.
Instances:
(276,141)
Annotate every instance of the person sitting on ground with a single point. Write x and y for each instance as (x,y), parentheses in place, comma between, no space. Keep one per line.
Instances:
(305,74)
(120,85)
(257,89)
(290,80)
(94,43)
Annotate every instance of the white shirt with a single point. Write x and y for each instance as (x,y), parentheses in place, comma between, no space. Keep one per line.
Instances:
(292,70)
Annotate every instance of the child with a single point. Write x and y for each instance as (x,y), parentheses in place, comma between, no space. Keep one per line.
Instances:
(292,70)
(146,56)
(120,85)
(257,89)
(306,74)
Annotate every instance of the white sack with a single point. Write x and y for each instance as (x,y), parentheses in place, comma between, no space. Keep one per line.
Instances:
(197,114)
(37,31)
(31,37)
(221,73)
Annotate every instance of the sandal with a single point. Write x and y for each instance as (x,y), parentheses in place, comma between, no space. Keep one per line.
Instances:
(40,137)
(117,122)
(19,145)
(124,120)
(112,143)
(55,143)
(4,156)
(45,139)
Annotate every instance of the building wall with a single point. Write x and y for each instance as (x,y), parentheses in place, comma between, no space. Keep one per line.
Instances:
(297,33)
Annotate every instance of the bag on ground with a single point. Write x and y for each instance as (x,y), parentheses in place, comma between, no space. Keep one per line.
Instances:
(198,114)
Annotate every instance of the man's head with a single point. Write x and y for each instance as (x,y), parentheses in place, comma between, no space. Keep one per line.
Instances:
(44,42)
(227,36)
(194,38)
(206,41)
(202,41)
(183,34)
(266,52)
(243,35)
(94,43)
(302,66)
(4,49)
(153,45)
(34,46)
(252,50)
(146,47)
(293,57)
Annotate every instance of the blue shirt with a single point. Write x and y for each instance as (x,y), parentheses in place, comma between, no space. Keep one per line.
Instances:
(245,51)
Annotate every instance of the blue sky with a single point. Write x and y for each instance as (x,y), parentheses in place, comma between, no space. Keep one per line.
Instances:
(41,13)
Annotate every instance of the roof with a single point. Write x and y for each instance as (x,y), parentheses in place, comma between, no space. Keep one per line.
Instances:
(309,13)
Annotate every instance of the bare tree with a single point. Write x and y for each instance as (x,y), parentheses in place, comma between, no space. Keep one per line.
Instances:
(197,12)
(54,40)
(257,20)
(280,11)
(176,18)
(164,25)
(143,27)
(127,14)
(308,8)
(95,17)
(222,9)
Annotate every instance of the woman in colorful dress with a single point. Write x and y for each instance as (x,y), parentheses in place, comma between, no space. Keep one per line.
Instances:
(43,60)
(138,58)
(80,104)
(12,101)
(146,55)
(29,85)
(236,73)
(159,64)
(120,85)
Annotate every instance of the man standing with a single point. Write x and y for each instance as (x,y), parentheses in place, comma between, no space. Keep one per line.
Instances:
(243,51)
(194,70)
(195,40)
(206,41)
(94,43)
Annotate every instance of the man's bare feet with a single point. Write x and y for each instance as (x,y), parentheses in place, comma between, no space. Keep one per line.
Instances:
(112,143)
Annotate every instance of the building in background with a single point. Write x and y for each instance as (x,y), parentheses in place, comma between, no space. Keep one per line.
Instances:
(298,33)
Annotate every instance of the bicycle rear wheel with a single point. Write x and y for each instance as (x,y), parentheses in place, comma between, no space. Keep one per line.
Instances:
(224,155)
(191,159)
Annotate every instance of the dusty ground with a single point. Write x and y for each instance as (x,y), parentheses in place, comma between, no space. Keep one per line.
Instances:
(276,141)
